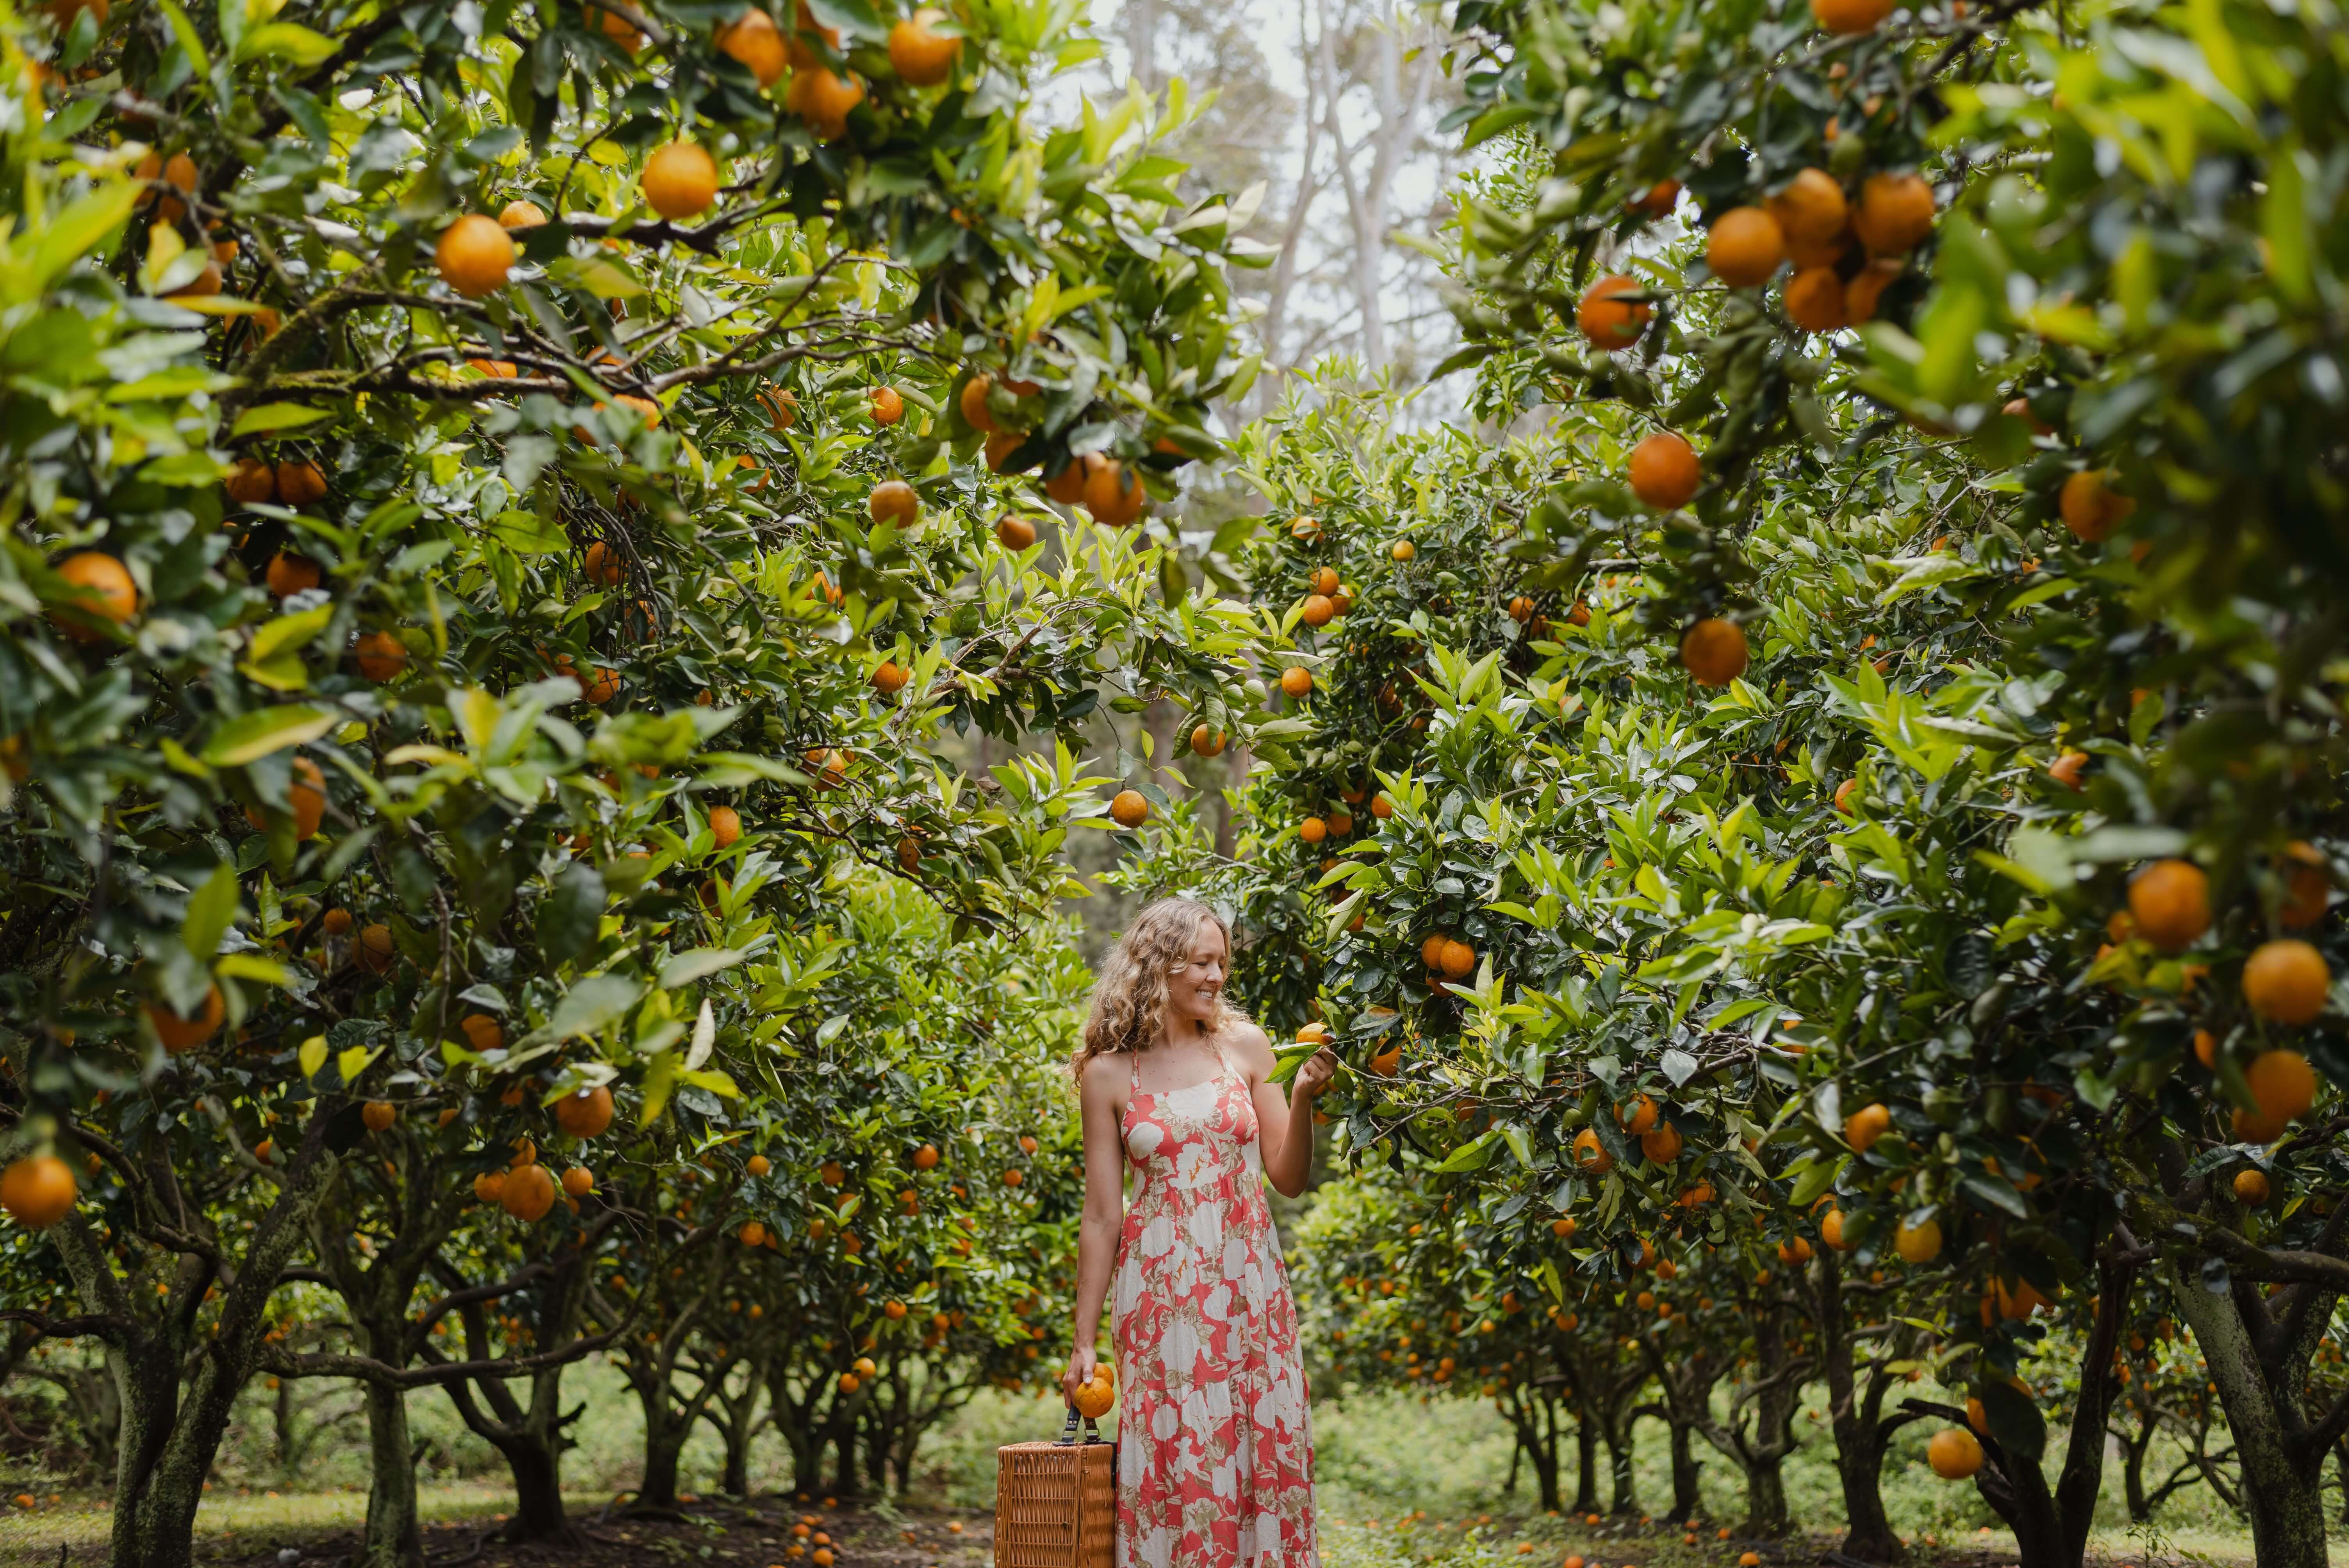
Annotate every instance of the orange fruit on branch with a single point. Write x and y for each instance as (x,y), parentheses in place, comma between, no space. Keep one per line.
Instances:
(474,255)
(1811,211)
(754,41)
(1815,300)
(528,1193)
(250,481)
(38,1191)
(1954,1453)
(1608,317)
(1713,651)
(893,501)
(679,180)
(921,55)
(1296,681)
(182,1034)
(824,98)
(381,657)
(519,214)
(1895,213)
(1664,472)
(1128,809)
(2171,902)
(1745,247)
(101,590)
(585,1113)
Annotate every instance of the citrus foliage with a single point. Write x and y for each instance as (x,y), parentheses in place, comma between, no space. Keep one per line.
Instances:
(504,503)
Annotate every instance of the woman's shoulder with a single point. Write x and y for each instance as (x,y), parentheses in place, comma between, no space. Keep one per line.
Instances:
(1109,1069)
(1246,1042)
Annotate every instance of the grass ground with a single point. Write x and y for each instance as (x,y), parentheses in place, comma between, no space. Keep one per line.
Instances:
(1400,1483)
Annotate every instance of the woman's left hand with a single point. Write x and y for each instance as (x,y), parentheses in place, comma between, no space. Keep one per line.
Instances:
(1314,1076)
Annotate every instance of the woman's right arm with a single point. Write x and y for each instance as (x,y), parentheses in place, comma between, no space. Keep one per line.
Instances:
(1104,1212)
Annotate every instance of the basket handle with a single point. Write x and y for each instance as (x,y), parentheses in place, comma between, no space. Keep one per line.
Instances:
(1067,1437)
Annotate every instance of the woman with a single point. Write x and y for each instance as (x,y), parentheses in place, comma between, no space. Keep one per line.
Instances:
(1214,1457)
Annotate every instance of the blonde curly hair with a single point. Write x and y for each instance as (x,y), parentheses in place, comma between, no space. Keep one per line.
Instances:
(1129,1005)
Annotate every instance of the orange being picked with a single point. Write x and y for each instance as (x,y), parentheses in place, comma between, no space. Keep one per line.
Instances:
(679,181)
(1745,247)
(1714,651)
(1095,1396)
(101,591)
(921,55)
(474,255)
(1665,471)
(1609,319)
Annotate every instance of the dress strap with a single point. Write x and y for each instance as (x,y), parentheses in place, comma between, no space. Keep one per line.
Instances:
(1133,1072)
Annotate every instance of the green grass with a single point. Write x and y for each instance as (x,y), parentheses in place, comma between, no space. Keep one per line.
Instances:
(1399,1482)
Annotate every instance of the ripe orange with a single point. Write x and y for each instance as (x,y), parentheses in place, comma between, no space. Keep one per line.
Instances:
(305,799)
(1662,1144)
(920,55)
(1590,1155)
(381,657)
(890,678)
(1861,294)
(300,483)
(602,564)
(824,98)
(179,1034)
(1014,532)
(489,1186)
(1128,809)
(1917,1243)
(725,825)
(1296,681)
(2283,1084)
(1094,1398)
(1831,1230)
(1113,496)
(483,1032)
(1643,1114)
(1313,829)
(1207,740)
(888,407)
(1746,246)
(519,214)
(379,1114)
(374,951)
(474,255)
(1810,211)
(1000,447)
(613,26)
(1564,1227)
(2092,508)
(1657,201)
(2171,902)
(1459,960)
(602,686)
(893,501)
(1895,213)
(972,399)
(783,407)
(1317,610)
(578,1181)
(757,43)
(1665,471)
(1954,1453)
(336,921)
(250,481)
(585,1113)
(1305,529)
(2307,889)
(1815,300)
(1403,549)
(2250,1188)
(2068,768)
(101,591)
(38,1191)
(1714,651)
(290,574)
(1863,1126)
(679,180)
(1609,320)
(529,1192)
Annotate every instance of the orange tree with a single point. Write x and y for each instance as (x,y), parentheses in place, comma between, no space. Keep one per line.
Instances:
(479,479)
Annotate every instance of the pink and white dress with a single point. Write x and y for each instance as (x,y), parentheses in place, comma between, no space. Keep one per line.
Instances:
(1216,1456)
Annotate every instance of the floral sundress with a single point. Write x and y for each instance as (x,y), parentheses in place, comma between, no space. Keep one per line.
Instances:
(1215,1452)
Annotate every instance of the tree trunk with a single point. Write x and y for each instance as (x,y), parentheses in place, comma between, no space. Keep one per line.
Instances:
(665,1437)
(393,1537)
(1626,1481)
(1765,1500)
(537,1473)
(1585,1465)
(1859,1437)
(1688,1499)
(2283,1497)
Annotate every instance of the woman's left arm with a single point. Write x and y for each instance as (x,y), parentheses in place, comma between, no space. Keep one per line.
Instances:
(1284,1123)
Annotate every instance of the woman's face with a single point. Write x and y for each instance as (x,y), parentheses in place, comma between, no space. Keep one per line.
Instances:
(1197,983)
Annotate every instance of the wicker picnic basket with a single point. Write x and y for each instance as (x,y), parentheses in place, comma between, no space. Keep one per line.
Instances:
(1055,1502)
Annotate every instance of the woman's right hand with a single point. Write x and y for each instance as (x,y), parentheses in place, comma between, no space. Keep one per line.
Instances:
(1081,1361)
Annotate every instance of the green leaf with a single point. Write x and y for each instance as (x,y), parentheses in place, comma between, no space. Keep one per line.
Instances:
(569,916)
(1471,1155)
(269,416)
(288,631)
(286,41)
(79,229)
(212,910)
(593,1005)
(251,736)
(686,967)
(312,1056)
(1815,1181)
